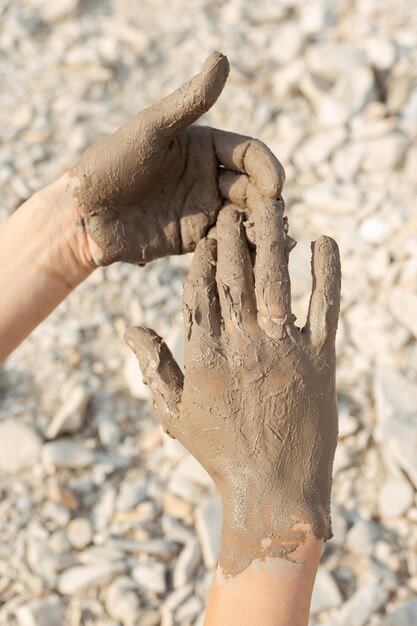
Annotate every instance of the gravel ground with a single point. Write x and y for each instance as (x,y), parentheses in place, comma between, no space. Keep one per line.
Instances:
(105,521)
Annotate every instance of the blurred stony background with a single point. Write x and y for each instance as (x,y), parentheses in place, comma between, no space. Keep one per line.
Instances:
(104,521)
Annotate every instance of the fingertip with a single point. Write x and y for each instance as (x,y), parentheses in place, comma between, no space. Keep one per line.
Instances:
(217,60)
(325,255)
(267,173)
(139,338)
(130,337)
(228,215)
(213,77)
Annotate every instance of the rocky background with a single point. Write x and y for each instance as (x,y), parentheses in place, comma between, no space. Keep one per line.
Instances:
(103,520)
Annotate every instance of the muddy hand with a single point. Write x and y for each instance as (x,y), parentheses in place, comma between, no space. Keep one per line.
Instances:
(257,406)
(155,186)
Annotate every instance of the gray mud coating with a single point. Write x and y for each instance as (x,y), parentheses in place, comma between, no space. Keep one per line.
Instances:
(154,187)
(257,406)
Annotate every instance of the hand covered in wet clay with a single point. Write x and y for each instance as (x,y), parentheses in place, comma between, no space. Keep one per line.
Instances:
(152,188)
(257,406)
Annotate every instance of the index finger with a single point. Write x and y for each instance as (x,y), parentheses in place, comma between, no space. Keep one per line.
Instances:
(252,157)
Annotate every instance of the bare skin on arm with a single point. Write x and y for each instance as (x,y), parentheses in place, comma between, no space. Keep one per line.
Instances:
(149,190)
(257,407)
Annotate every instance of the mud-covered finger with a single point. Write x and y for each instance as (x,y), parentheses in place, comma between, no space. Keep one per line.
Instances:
(201,303)
(184,106)
(252,157)
(272,280)
(323,312)
(235,283)
(161,372)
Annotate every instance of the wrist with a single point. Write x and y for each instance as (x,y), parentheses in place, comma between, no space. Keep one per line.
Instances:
(260,527)
(69,244)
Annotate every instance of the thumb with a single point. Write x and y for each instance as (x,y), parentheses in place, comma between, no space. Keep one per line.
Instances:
(160,371)
(185,105)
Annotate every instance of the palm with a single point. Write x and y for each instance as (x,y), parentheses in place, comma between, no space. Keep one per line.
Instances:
(152,188)
(166,203)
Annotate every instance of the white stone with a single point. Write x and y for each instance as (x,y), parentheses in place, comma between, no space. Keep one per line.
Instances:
(43,612)
(398,437)
(348,96)
(108,431)
(395,497)
(357,610)
(79,532)
(122,601)
(134,380)
(348,424)
(131,493)
(333,198)
(361,537)
(189,610)
(396,431)
(104,508)
(186,564)
(54,11)
(329,61)
(403,305)
(288,43)
(404,614)
(375,230)
(66,453)
(20,446)
(151,577)
(385,153)
(326,594)
(208,520)
(38,551)
(81,577)
(395,394)
(317,148)
(380,52)
(71,416)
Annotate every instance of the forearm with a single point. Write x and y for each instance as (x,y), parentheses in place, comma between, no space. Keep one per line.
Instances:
(43,257)
(271,591)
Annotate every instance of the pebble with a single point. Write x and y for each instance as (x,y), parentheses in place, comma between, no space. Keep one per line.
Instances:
(402,303)
(188,611)
(71,414)
(404,614)
(375,230)
(82,577)
(386,153)
(363,604)
(334,198)
(108,431)
(20,446)
(80,532)
(208,520)
(328,60)
(186,564)
(395,498)
(65,453)
(131,493)
(151,577)
(122,601)
(43,612)
(361,537)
